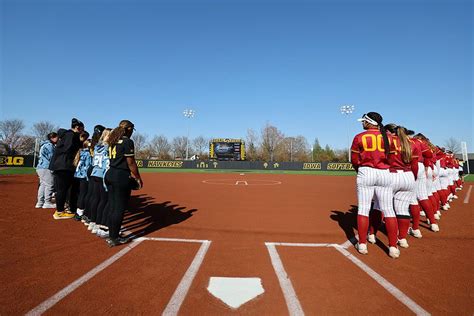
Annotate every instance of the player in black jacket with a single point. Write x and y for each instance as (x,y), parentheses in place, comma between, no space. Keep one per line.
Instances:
(123,169)
(62,165)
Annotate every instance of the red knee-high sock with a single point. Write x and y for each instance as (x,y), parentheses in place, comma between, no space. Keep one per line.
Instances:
(437,198)
(403,225)
(442,198)
(375,219)
(415,214)
(392,231)
(445,196)
(362,228)
(452,189)
(427,207)
(433,203)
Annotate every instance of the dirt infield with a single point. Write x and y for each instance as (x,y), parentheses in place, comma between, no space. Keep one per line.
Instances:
(191,227)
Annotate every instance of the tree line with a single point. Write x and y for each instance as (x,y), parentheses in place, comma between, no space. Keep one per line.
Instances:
(268,144)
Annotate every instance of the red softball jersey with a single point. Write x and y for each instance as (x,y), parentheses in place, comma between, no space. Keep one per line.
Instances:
(368,150)
(395,158)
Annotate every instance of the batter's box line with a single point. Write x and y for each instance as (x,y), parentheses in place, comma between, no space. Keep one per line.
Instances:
(176,299)
(292,301)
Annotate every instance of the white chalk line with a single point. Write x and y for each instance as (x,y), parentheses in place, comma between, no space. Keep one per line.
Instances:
(177,298)
(399,295)
(174,240)
(234,182)
(183,288)
(292,302)
(468,195)
(290,244)
(50,302)
(291,298)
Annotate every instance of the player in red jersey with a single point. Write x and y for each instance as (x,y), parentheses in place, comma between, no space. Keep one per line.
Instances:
(424,190)
(369,158)
(420,186)
(403,161)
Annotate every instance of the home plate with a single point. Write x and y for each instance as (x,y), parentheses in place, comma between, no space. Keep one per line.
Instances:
(235,292)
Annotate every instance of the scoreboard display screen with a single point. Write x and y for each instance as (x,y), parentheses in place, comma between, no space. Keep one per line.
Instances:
(227,149)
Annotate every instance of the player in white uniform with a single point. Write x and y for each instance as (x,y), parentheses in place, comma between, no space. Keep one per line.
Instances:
(369,157)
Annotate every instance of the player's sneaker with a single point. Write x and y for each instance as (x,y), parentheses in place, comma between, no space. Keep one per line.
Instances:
(455,197)
(91,226)
(437,217)
(415,232)
(403,243)
(80,212)
(49,205)
(39,205)
(116,242)
(103,233)
(95,229)
(393,252)
(63,215)
(445,207)
(371,238)
(434,227)
(422,213)
(362,248)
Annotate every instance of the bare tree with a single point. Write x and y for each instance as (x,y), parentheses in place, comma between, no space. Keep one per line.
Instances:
(43,128)
(179,146)
(11,137)
(252,142)
(200,145)
(140,141)
(26,145)
(160,147)
(271,138)
(293,149)
(453,145)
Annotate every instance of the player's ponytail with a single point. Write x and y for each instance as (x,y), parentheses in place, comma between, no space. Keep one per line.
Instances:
(379,119)
(405,144)
(125,128)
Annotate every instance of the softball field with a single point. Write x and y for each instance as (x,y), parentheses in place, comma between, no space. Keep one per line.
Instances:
(230,244)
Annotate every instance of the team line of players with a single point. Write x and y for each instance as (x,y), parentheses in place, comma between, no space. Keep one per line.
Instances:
(400,177)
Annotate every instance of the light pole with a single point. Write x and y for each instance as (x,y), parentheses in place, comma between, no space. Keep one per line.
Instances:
(188,113)
(346,110)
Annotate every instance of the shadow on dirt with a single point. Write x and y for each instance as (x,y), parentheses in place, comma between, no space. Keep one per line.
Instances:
(146,217)
(347,221)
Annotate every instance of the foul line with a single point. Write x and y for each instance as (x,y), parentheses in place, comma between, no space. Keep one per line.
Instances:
(50,302)
(468,195)
(176,300)
(292,302)
(185,284)
(399,295)
(289,293)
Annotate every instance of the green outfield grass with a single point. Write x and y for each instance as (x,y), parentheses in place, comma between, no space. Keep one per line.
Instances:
(334,173)
(26,170)
(17,170)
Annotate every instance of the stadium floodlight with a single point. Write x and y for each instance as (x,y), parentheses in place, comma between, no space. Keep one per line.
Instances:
(188,113)
(346,110)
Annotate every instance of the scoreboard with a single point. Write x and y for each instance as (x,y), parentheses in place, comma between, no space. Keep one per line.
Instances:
(227,149)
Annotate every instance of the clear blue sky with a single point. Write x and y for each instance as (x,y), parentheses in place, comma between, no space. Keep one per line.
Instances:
(240,64)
